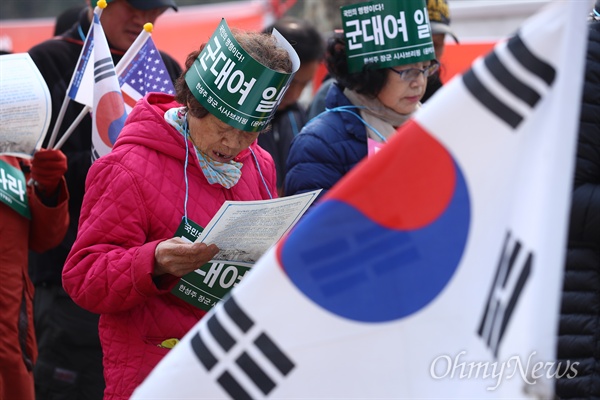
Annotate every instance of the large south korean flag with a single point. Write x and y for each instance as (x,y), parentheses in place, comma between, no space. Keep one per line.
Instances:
(432,270)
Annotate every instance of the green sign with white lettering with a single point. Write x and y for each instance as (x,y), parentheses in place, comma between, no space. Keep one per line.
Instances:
(13,191)
(207,285)
(386,33)
(235,87)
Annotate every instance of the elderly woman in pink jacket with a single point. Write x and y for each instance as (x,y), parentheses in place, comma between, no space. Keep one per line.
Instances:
(175,162)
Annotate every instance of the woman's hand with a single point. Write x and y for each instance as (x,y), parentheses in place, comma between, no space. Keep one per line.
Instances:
(179,257)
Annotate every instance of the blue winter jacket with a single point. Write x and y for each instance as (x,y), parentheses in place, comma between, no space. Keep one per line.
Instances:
(329,146)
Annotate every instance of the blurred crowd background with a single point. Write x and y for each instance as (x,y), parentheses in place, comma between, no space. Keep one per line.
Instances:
(24,9)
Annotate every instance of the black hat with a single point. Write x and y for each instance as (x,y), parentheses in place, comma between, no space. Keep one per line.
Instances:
(150,4)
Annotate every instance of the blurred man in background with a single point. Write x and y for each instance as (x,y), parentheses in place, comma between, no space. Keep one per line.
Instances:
(291,115)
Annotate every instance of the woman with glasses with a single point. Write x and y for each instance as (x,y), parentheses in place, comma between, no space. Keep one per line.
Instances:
(363,110)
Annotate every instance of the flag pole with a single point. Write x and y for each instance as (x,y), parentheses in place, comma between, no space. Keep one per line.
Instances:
(59,119)
(71,128)
(127,57)
(134,48)
(65,103)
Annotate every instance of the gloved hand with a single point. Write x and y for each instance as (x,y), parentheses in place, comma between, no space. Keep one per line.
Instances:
(47,168)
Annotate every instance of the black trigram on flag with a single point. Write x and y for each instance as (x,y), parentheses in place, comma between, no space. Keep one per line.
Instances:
(95,154)
(512,273)
(339,271)
(510,81)
(103,69)
(254,366)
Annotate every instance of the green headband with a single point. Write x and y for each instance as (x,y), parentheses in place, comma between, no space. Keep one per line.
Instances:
(235,87)
(386,33)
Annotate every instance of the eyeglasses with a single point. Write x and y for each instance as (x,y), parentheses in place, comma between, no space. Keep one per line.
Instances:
(412,74)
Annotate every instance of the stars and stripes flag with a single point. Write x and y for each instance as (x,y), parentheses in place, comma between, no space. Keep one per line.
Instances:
(144,72)
(434,268)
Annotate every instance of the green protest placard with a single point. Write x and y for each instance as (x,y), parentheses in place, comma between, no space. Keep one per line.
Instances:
(243,231)
(235,87)
(13,191)
(207,285)
(386,33)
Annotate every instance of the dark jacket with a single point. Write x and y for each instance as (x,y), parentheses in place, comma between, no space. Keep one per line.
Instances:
(326,149)
(56,59)
(434,83)
(579,330)
(286,124)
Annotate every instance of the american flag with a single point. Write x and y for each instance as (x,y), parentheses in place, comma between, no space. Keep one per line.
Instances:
(145,73)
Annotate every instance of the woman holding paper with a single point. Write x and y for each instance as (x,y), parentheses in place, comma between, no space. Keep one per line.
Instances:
(176,161)
(373,94)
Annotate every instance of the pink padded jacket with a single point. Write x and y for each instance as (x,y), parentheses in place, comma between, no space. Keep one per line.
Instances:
(134,199)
